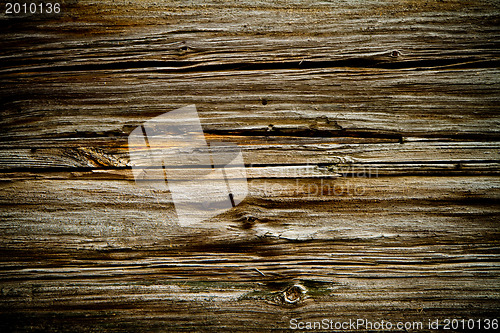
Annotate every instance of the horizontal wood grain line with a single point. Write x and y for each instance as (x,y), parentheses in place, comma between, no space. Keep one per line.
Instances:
(274,171)
(356,133)
(285,131)
(192,67)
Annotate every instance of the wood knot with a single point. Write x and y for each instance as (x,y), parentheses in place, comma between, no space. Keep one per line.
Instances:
(248,221)
(264,101)
(294,294)
(395,54)
(330,122)
(183,48)
(324,119)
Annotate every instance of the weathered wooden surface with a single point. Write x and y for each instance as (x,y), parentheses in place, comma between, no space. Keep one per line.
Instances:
(393,105)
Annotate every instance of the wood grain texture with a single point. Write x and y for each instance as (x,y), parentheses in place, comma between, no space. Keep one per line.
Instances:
(370,132)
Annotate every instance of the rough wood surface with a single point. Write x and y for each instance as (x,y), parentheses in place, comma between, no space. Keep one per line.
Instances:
(370,130)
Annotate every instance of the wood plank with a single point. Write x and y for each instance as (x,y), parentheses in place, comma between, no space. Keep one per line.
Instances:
(422,156)
(459,103)
(292,205)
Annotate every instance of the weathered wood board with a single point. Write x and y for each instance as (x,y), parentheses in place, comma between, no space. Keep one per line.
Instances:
(388,109)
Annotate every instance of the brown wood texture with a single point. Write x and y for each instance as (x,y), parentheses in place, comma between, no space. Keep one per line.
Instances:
(387,113)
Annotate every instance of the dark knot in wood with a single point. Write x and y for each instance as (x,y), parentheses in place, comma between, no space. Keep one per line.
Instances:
(395,53)
(294,294)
